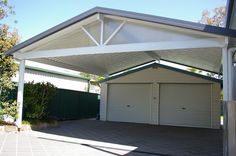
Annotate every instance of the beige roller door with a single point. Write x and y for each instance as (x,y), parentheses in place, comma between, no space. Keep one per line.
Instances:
(185,105)
(129,103)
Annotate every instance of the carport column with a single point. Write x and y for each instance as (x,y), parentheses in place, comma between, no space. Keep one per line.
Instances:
(231,52)
(227,74)
(229,106)
(20,93)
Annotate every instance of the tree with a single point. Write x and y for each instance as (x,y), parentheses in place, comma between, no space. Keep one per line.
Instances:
(217,19)
(93,79)
(8,67)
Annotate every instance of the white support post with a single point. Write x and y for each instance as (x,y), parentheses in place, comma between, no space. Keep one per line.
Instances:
(225,74)
(231,73)
(20,93)
(228,70)
(229,106)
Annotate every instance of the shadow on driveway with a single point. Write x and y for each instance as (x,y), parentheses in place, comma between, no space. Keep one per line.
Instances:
(138,139)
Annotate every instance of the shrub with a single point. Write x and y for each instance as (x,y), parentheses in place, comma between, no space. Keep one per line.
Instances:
(36,99)
(8,108)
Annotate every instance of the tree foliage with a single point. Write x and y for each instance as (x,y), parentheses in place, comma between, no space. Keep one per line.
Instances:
(36,99)
(217,19)
(8,67)
(8,39)
(5,9)
(92,78)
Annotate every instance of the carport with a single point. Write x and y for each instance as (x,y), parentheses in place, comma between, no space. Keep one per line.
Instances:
(105,41)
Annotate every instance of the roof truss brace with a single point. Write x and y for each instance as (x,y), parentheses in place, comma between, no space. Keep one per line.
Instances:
(90,36)
(101,19)
(114,33)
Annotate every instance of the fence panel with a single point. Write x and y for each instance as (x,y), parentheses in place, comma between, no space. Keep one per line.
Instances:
(70,105)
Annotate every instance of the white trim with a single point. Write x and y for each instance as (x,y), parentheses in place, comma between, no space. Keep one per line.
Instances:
(20,93)
(114,33)
(90,36)
(122,48)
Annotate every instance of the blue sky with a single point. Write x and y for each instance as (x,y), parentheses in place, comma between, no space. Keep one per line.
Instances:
(36,16)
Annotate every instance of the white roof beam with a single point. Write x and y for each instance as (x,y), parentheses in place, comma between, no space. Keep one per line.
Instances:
(122,48)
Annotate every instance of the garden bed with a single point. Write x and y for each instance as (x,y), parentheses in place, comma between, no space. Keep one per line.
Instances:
(27,125)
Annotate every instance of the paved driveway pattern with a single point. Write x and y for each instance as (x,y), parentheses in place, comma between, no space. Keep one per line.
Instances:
(97,138)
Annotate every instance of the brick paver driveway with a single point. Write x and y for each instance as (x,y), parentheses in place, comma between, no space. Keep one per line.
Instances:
(97,138)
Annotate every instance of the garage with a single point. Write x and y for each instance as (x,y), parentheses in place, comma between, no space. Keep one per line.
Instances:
(104,41)
(162,95)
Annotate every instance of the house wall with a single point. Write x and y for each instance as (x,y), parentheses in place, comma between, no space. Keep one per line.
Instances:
(159,75)
(60,81)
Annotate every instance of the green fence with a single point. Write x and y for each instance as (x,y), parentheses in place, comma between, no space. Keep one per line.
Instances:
(67,105)
(71,105)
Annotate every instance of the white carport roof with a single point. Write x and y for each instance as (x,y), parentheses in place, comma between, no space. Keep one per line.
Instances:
(103,41)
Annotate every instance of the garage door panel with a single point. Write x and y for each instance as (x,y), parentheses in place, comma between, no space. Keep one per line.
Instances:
(185,105)
(129,102)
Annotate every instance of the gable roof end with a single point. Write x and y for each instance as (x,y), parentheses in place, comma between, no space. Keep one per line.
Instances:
(126,14)
(165,67)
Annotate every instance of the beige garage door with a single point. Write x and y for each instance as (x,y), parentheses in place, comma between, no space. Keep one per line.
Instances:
(129,102)
(185,105)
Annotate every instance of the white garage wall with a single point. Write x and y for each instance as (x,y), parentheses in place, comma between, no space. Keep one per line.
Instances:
(160,75)
(215,105)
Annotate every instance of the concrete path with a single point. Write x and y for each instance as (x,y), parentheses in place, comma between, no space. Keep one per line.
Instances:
(97,138)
